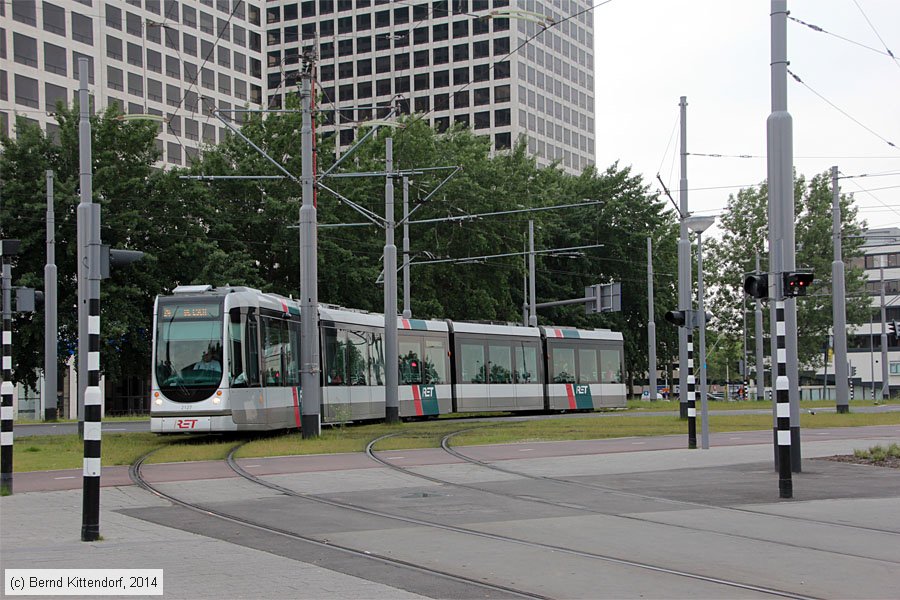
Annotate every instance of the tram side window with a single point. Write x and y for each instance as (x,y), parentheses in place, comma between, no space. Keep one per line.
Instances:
(249,377)
(236,358)
(276,350)
(611,366)
(473,366)
(526,365)
(375,341)
(410,362)
(587,366)
(334,356)
(292,374)
(357,358)
(435,361)
(500,357)
(563,363)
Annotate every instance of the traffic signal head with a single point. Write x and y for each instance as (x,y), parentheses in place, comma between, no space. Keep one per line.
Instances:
(757,285)
(677,317)
(894,328)
(796,283)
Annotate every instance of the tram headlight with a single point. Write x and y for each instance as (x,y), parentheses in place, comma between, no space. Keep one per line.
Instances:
(157,399)
(218,397)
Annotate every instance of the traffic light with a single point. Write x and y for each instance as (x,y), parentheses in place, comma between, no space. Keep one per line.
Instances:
(894,328)
(112,257)
(677,317)
(28,299)
(757,285)
(796,282)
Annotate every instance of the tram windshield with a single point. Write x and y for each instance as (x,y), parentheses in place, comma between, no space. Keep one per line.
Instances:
(188,349)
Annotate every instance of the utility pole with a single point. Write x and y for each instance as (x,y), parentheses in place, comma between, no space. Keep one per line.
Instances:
(885,372)
(839,305)
(781,244)
(758,334)
(651,324)
(532,307)
(684,268)
(89,345)
(407,310)
(391,345)
(310,420)
(8,248)
(48,400)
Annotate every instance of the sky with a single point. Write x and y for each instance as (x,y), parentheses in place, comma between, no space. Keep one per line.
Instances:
(649,53)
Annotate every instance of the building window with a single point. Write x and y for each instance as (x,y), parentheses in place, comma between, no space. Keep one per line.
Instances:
(25,50)
(460,29)
(440,33)
(55,19)
(461,52)
(442,102)
(502,117)
(482,96)
(481,73)
(441,56)
(501,94)
(441,79)
(401,85)
(481,49)
(421,82)
(461,100)
(421,58)
(82,29)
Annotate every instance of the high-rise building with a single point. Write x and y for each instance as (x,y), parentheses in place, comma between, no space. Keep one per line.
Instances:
(172,58)
(507,70)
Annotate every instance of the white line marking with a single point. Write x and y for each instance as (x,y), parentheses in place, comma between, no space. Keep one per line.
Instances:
(735,438)
(395,457)
(69,477)
(637,443)
(526,449)
(114,429)
(251,466)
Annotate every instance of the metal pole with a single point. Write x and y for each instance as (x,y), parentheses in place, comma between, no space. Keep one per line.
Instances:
(885,383)
(704,417)
(48,402)
(872,349)
(745,380)
(839,305)
(532,286)
(651,324)
(691,392)
(524,286)
(93,396)
(684,266)
(391,346)
(7,389)
(781,245)
(311,417)
(84,216)
(758,333)
(407,310)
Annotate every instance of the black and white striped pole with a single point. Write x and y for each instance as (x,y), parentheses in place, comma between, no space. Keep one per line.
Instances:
(782,406)
(691,393)
(89,231)
(8,248)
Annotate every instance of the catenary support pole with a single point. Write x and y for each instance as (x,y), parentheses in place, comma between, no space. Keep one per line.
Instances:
(310,404)
(839,305)
(691,393)
(684,264)
(760,354)
(701,312)
(779,128)
(407,310)
(651,324)
(7,389)
(48,400)
(84,217)
(885,371)
(93,396)
(391,345)
(532,286)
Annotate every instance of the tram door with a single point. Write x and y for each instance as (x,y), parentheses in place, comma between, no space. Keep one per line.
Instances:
(246,396)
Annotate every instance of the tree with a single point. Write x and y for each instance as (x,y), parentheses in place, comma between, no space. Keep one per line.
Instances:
(744,226)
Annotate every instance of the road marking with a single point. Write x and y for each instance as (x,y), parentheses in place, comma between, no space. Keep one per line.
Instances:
(395,457)
(114,429)
(251,466)
(526,449)
(68,477)
(637,443)
(735,438)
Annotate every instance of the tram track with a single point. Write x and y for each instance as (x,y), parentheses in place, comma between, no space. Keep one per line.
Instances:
(135,472)
(445,446)
(503,538)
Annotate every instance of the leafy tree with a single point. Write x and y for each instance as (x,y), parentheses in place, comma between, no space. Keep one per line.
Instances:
(744,226)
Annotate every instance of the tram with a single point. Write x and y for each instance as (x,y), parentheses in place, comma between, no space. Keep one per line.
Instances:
(228,359)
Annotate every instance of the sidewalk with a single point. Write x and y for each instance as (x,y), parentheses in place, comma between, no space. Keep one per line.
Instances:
(41,530)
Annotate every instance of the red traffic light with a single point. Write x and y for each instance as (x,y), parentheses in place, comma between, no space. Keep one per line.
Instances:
(795,283)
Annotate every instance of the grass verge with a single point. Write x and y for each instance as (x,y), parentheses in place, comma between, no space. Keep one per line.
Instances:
(51,452)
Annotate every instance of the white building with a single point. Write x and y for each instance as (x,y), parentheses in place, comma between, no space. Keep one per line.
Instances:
(171,58)
(881,250)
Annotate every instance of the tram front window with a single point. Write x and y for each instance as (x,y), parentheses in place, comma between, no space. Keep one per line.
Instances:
(188,350)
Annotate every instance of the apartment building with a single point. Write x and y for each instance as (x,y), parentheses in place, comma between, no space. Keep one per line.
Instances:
(507,70)
(175,59)
(454,61)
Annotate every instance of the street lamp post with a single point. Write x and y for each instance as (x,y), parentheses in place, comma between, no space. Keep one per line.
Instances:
(698,225)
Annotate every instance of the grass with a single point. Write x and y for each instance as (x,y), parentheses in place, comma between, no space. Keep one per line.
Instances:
(661,405)
(879,453)
(66,451)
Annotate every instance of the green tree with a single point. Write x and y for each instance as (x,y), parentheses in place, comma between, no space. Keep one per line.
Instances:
(744,227)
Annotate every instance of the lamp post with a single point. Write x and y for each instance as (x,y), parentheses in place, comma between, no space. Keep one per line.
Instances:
(698,225)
